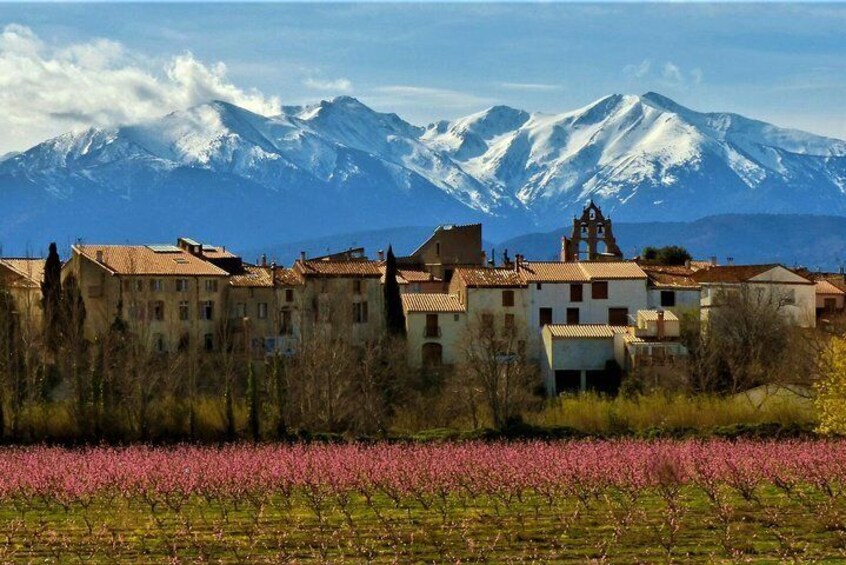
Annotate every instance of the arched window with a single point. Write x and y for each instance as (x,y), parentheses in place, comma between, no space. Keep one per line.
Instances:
(432,354)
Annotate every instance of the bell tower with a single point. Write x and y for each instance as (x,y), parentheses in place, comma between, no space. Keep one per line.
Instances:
(592,238)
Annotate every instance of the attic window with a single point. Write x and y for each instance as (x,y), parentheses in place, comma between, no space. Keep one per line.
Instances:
(180,260)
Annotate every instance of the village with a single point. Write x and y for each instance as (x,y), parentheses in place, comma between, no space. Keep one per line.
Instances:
(583,321)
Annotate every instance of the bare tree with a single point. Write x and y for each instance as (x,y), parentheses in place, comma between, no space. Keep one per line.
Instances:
(748,341)
(494,360)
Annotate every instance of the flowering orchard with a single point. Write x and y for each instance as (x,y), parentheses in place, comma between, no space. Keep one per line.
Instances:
(619,501)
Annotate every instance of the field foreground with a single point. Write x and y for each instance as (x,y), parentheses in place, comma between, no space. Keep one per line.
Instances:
(620,501)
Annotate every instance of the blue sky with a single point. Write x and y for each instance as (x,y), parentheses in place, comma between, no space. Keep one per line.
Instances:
(65,66)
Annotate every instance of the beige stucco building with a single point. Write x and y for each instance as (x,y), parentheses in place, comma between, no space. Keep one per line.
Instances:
(435,328)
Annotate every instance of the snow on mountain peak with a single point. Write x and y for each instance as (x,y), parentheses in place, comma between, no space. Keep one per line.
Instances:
(643,157)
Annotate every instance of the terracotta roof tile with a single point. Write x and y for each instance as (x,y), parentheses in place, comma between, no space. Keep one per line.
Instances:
(431,302)
(406,276)
(612,270)
(30,271)
(333,268)
(142,260)
(253,277)
(287,277)
(826,287)
(553,271)
(486,277)
(734,273)
(652,315)
(670,276)
(585,330)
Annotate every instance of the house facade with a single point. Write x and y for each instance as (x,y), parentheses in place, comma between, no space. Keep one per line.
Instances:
(792,293)
(436,325)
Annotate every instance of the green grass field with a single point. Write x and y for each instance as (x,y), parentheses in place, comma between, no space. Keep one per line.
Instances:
(616,526)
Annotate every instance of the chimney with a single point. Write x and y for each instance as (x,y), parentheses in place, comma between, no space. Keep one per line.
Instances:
(660,325)
(381,254)
(302,256)
(713,260)
(730,260)
(518,262)
(263,260)
(99,255)
(687,263)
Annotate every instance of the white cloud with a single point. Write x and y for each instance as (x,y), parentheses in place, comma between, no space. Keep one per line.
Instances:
(46,90)
(530,86)
(639,70)
(337,85)
(668,75)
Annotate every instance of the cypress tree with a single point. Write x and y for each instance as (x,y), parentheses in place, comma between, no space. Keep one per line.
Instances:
(394,317)
(51,297)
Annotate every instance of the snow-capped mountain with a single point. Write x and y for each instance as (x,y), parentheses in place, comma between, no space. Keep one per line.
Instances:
(220,172)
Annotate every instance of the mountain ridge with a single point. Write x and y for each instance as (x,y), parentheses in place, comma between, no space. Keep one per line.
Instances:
(339,166)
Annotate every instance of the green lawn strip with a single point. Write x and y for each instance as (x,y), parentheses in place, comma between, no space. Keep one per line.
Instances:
(619,526)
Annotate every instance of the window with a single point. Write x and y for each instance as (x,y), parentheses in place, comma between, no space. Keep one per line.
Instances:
(668,298)
(183,310)
(287,325)
(139,285)
(447,276)
(599,290)
(156,285)
(208,342)
(360,312)
(240,310)
(262,310)
(455,317)
(356,286)
(788,297)
(126,285)
(538,286)
(545,316)
(618,316)
(207,312)
(830,304)
(572,316)
(438,249)
(211,285)
(157,310)
(181,285)
(508,298)
(432,329)
(289,295)
(577,292)
(509,324)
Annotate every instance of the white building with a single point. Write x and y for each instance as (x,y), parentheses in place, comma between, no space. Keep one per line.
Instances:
(578,293)
(435,325)
(673,288)
(794,294)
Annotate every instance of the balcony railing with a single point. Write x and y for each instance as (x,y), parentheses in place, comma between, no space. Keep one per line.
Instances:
(432,331)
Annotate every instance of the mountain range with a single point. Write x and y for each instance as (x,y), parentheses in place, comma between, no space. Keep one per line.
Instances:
(218,172)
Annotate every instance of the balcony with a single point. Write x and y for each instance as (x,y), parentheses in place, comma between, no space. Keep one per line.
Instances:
(432,331)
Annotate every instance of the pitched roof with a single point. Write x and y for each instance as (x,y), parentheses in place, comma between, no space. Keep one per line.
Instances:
(431,302)
(662,276)
(580,271)
(142,260)
(406,276)
(652,315)
(612,270)
(735,273)
(287,277)
(30,271)
(585,330)
(826,287)
(252,277)
(553,271)
(213,252)
(488,277)
(334,268)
